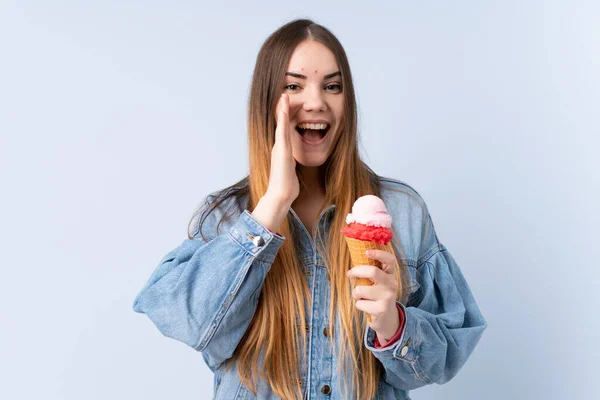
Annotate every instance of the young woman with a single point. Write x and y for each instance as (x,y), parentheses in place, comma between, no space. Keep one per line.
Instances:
(262,282)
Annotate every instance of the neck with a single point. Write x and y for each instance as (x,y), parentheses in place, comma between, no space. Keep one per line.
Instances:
(314,180)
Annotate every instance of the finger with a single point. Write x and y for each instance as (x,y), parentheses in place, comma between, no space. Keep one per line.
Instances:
(375,308)
(366,271)
(385,257)
(285,121)
(373,293)
(281,120)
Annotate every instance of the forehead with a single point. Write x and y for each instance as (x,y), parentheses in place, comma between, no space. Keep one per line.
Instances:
(310,56)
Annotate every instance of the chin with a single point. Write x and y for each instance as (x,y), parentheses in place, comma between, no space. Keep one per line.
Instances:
(311,164)
(307,161)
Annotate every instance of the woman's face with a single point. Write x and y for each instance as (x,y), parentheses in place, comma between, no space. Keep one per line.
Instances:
(314,84)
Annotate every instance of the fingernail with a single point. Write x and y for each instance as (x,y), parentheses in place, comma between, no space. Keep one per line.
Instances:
(368,253)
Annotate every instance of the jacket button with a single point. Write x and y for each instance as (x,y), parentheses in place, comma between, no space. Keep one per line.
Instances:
(404,351)
(326,331)
(326,389)
(257,240)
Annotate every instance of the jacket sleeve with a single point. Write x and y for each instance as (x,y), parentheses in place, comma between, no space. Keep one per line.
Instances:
(440,332)
(205,294)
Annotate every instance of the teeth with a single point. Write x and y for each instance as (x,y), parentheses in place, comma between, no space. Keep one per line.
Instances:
(313,126)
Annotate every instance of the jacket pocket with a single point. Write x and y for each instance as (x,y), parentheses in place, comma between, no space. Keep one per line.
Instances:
(413,292)
(218,379)
(243,393)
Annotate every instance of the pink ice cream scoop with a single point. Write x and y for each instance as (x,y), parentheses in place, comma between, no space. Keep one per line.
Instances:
(370,210)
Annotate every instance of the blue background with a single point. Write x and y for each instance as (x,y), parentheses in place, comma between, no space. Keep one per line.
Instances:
(115,118)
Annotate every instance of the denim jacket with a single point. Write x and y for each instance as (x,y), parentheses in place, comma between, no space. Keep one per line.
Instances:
(204,294)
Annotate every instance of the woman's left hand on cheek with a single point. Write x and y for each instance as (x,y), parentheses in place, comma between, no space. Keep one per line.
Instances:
(379,300)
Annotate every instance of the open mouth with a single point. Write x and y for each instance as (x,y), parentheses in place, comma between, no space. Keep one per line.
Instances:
(313,136)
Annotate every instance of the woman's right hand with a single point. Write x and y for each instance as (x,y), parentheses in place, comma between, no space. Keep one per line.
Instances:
(283,181)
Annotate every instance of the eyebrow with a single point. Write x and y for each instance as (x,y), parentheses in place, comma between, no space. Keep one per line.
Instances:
(300,76)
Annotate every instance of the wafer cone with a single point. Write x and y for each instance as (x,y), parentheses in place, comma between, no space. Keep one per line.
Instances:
(357,253)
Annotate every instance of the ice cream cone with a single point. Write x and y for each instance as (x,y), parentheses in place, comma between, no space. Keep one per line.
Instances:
(369,227)
(357,253)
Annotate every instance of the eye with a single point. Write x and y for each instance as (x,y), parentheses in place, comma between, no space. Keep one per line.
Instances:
(337,86)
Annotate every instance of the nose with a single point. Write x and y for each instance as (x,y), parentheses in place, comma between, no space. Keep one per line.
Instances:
(313,100)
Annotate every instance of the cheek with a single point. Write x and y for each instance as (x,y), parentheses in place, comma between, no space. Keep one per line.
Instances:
(336,132)
(293,132)
(339,116)
(295,139)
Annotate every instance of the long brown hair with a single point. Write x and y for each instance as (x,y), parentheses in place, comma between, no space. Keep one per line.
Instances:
(277,332)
